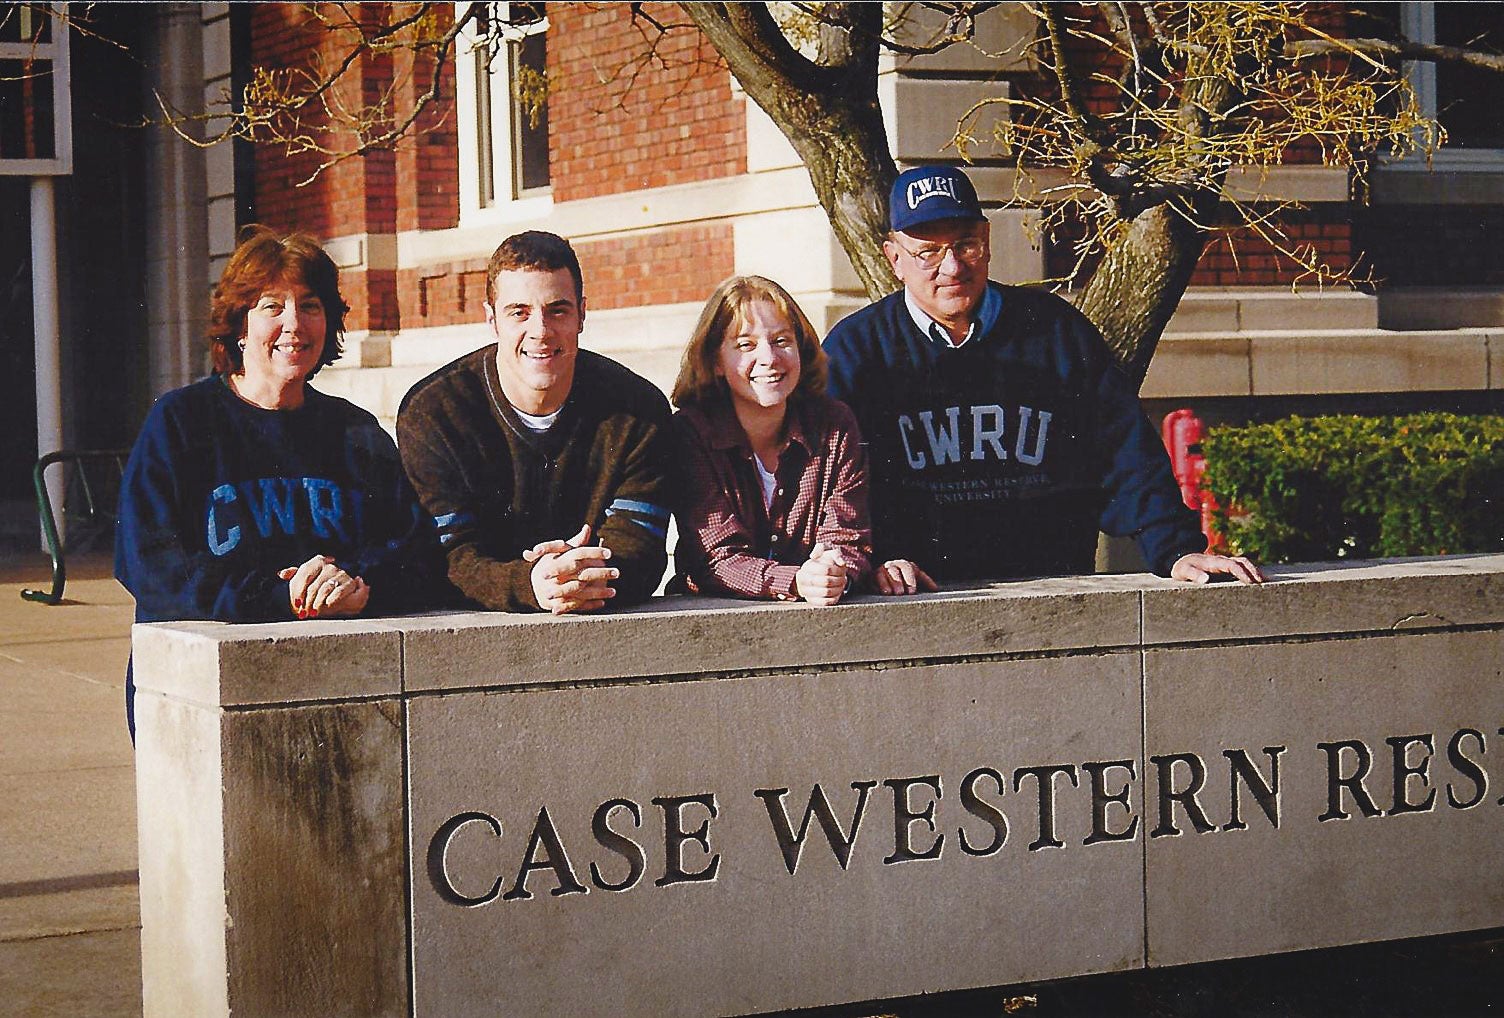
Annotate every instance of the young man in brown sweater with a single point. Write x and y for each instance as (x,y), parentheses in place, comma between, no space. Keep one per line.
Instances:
(546,467)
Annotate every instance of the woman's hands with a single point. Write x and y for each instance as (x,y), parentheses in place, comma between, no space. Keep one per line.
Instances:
(822,578)
(320,588)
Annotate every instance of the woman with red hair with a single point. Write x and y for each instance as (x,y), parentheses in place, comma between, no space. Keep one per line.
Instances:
(251,496)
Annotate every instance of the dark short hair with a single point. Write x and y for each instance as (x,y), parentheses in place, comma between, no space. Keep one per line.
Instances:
(262,258)
(534,250)
(698,383)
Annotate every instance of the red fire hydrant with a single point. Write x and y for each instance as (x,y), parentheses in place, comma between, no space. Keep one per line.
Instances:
(1182,432)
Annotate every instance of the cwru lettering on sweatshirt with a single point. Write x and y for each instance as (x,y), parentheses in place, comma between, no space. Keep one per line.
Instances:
(219,495)
(1003,457)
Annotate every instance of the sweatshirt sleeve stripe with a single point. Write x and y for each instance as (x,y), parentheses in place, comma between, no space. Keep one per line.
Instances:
(646,508)
(652,527)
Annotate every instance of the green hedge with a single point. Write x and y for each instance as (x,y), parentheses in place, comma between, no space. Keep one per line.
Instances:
(1313,488)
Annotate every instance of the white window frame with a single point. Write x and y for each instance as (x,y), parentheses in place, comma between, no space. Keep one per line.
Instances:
(56,51)
(510,203)
(1418,23)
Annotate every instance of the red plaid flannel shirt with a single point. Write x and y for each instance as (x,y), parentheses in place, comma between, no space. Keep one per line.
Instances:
(728,542)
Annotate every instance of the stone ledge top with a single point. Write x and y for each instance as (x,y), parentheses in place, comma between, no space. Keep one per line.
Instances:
(251,665)
(1331,598)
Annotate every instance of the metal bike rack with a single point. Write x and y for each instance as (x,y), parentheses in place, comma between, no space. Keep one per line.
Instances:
(91,515)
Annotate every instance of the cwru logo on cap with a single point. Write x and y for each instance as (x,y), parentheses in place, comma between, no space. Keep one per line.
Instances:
(930,187)
(909,203)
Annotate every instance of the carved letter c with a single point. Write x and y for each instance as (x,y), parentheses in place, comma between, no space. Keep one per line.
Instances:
(438,849)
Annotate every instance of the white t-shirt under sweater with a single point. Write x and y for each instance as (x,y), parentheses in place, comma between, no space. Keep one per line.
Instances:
(536,423)
(769,482)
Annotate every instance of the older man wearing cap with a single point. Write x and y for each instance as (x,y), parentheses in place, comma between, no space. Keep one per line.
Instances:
(1002,432)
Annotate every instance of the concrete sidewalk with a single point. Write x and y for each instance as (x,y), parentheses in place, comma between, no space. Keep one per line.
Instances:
(69,908)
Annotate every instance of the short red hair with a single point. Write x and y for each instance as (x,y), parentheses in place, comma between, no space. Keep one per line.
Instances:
(262,258)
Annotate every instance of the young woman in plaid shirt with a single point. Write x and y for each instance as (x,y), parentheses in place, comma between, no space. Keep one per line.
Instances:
(774,482)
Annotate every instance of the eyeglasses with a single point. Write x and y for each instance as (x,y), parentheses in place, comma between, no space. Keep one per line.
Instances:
(930,256)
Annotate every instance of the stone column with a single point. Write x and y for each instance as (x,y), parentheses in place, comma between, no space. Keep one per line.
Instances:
(177,260)
(271,820)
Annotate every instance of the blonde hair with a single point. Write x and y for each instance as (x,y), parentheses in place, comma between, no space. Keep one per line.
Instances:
(698,383)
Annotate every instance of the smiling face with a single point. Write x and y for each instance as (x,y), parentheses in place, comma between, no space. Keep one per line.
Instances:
(950,291)
(284,338)
(759,358)
(536,319)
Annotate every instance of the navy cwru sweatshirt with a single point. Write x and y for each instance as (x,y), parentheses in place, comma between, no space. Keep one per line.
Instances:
(1003,457)
(219,495)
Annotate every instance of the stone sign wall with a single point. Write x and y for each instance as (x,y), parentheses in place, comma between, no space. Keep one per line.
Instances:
(709,807)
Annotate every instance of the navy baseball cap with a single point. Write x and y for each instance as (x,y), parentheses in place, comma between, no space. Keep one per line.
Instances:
(927,193)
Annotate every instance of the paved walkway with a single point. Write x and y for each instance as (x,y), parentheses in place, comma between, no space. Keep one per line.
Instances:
(69,912)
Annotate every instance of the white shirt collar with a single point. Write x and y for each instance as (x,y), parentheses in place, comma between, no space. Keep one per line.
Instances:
(928,325)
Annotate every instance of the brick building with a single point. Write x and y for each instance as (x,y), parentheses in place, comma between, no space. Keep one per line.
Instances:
(667,178)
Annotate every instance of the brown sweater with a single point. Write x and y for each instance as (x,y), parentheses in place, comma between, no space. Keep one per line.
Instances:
(495,488)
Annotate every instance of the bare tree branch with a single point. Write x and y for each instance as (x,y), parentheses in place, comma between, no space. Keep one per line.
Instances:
(1404,49)
(1116,16)
(1070,98)
(302,110)
(961,25)
(751,41)
(622,80)
(640,13)
(829,114)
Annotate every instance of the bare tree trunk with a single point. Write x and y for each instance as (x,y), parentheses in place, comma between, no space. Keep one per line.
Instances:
(828,111)
(1140,282)
(851,178)
(1143,276)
